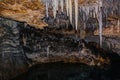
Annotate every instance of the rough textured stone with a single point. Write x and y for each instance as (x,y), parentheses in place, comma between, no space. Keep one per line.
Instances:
(109,43)
(12,58)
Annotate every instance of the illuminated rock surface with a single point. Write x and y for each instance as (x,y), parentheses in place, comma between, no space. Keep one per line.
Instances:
(24,11)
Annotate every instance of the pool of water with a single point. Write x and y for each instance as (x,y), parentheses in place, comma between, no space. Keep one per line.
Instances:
(68,71)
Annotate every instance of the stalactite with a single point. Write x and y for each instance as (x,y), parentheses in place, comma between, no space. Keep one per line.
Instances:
(76,14)
(67,7)
(96,9)
(106,15)
(62,5)
(87,11)
(100,22)
(57,4)
(84,15)
(90,10)
(25,25)
(70,10)
(55,7)
(47,8)
(24,40)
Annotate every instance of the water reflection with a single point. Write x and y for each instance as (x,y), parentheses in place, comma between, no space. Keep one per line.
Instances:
(62,71)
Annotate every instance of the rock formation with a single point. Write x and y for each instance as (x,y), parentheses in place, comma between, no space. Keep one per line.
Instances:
(24,11)
(12,57)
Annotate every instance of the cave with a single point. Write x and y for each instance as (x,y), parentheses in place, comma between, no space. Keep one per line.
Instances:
(59,39)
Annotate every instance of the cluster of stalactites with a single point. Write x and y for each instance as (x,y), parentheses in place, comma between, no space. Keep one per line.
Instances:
(102,10)
(65,6)
(95,10)
(90,10)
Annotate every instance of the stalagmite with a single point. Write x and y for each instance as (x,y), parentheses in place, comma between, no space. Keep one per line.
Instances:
(70,10)
(76,14)
(62,5)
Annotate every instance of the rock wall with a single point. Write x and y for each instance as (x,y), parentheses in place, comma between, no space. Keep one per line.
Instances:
(111,43)
(12,58)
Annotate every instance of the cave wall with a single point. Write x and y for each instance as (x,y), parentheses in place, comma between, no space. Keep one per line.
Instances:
(12,58)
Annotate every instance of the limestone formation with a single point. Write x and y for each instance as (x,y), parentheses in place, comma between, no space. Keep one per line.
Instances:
(24,11)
